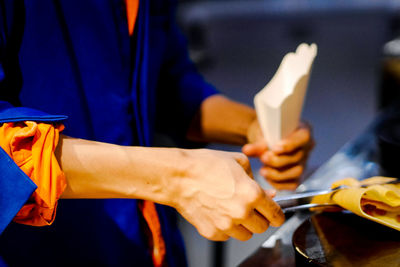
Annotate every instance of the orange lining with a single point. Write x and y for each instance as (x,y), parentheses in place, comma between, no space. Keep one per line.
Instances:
(132,7)
(147,207)
(150,215)
(31,145)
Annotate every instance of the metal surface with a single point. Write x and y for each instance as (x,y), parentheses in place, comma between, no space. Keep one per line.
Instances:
(303,200)
(359,159)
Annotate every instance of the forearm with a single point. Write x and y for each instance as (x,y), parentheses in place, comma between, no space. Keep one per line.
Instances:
(101,170)
(211,189)
(222,120)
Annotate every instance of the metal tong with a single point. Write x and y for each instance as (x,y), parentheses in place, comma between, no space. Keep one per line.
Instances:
(302,200)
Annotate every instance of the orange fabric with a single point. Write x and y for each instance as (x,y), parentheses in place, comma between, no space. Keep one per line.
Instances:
(31,145)
(147,207)
(132,7)
(150,215)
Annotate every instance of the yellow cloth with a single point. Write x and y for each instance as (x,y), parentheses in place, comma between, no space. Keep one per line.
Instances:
(377,202)
(31,145)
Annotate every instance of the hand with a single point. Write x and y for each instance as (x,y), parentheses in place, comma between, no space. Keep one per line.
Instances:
(213,190)
(283,163)
(220,198)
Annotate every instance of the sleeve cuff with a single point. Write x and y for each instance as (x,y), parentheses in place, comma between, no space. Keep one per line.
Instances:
(8,113)
(16,188)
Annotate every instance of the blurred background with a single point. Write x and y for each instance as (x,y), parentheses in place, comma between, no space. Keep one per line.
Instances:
(238,45)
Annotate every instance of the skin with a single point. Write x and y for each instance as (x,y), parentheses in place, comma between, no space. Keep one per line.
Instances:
(213,190)
(238,124)
(283,164)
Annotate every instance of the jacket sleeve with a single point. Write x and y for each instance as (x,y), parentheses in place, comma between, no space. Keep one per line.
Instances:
(16,187)
(183,75)
(183,86)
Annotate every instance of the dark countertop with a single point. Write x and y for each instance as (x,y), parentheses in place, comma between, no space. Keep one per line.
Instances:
(359,158)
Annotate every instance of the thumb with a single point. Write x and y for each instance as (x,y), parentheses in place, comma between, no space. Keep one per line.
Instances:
(254,149)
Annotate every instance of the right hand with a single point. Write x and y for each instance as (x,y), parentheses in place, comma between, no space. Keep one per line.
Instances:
(219,197)
(284,163)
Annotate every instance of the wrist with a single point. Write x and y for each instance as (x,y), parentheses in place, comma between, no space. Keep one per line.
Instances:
(230,125)
(154,171)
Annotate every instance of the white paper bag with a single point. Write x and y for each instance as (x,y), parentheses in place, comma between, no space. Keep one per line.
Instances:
(279,103)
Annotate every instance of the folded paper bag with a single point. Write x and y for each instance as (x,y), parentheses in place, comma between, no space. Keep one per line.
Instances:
(279,103)
(377,202)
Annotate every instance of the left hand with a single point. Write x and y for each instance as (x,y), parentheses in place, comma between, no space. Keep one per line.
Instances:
(284,163)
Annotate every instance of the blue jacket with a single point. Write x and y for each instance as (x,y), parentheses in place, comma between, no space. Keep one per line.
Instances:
(76,58)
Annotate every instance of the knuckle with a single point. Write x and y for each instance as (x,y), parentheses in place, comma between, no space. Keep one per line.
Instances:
(241,213)
(225,224)
(253,193)
(276,213)
(256,194)
(212,235)
(204,233)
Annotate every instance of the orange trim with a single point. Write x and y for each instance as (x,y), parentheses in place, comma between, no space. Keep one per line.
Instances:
(150,215)
(147,207)
(132,7)
(31,145)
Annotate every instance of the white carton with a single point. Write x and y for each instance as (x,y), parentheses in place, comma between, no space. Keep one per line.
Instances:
(280,102)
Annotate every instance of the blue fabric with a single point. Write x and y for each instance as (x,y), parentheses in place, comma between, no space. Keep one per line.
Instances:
(76,58)
(8,113)
(16,188)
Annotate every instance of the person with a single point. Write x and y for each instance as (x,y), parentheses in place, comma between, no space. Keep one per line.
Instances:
(77,59)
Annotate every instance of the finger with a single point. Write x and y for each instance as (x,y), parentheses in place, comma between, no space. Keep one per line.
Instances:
(301,137)
(204,224)
(209,231)
(216,237)
(256,223)
(239,232)
(271,211)
(274,160)
(281,175)
(254,149)
(243,160)
(286,185)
